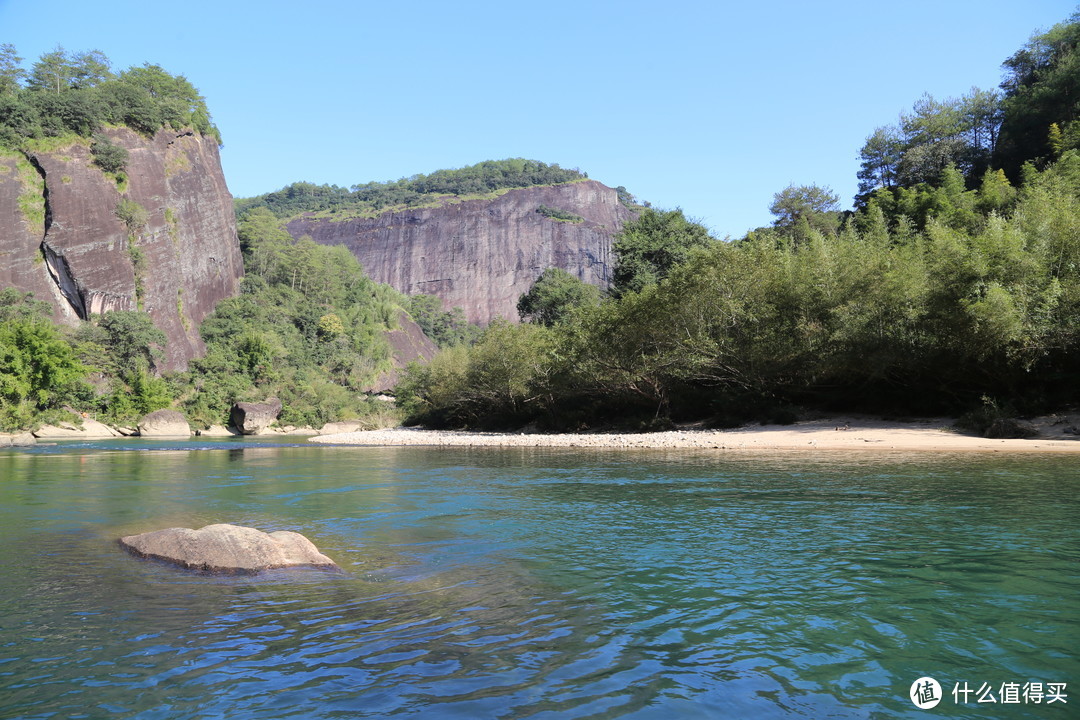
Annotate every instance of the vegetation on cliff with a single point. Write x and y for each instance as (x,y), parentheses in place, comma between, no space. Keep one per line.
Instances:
(307,328)
(78,93)
(953,285)
(482,178)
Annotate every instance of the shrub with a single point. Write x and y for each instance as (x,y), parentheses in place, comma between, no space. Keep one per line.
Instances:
(108,156)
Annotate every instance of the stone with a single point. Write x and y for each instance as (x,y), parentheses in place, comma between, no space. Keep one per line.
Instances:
(343,426)
(89,430)
(164,423)
(190,252)
(217,431)
(17,440)
(253,418)
(224,548)
(483,254)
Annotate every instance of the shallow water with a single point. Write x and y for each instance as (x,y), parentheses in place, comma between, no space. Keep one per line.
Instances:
(538,583)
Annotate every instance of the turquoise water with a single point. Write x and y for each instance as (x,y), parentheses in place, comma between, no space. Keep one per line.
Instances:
(539,584)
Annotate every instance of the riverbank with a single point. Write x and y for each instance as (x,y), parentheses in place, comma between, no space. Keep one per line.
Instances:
(842,433)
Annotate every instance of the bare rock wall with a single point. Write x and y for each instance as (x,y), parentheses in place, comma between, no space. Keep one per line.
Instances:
(482,254)
(85,260)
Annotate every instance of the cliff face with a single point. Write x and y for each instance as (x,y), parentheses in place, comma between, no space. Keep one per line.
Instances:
(62,237)
(482,254)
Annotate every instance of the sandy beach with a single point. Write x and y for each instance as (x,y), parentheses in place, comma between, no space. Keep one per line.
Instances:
(841,433)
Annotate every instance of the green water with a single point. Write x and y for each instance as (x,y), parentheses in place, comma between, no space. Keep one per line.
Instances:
(539,584)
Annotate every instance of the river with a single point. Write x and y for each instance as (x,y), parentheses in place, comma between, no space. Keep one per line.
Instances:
(531,583)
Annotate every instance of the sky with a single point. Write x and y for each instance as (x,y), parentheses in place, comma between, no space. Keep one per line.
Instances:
(711,107)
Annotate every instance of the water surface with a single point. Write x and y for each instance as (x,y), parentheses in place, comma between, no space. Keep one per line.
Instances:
(533,583)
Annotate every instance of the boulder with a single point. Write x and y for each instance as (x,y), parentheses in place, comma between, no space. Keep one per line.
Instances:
(164,423)
(253,418)
(342,426)
(216,431)
(226,548)
(89,430)
(20,440)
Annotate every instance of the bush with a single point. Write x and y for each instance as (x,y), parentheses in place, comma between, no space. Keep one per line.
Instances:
(992,421)
(107,156)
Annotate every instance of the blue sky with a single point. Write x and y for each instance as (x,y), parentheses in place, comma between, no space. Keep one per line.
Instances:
(707,106)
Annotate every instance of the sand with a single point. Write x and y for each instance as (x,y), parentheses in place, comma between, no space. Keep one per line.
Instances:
(841,433)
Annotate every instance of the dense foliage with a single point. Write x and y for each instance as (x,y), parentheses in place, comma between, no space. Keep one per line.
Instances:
(1031,119)
(555,296)
(78,93)
(308,329)
(446,327)
(485,177)
(953,286)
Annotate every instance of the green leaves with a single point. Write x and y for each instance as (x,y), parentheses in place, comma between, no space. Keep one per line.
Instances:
(554,295)
(78,93)
(647,248)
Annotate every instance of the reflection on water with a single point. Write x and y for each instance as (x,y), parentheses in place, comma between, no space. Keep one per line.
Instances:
(536,583)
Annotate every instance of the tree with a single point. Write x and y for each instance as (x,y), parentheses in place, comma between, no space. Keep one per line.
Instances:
(11,72)
(554,295)
(880,156)
(52,72)
(1042,87)
(800,209)
(649,247)
(132,339)
(37,366)
(88,69)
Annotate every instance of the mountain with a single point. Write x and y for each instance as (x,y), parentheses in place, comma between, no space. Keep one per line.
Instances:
(483,253)
(161,238)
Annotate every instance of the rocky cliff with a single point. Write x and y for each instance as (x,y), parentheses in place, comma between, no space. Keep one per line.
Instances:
(482,254)
(164,241)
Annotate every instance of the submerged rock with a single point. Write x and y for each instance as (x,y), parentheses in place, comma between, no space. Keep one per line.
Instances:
(253,418)
(164,423)
(227,549)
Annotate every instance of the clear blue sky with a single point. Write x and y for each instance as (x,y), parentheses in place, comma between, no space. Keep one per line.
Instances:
(708,106)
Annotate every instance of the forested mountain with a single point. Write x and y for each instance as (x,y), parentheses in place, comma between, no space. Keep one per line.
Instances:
(374,197)
(953,286)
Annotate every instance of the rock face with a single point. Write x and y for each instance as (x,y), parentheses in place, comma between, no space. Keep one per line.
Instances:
(227,549)
(483,254)
(164,423)
(252,418)
(407,344)
(177,255)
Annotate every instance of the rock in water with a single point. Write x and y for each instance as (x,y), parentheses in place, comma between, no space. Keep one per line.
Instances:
(164,423)
(253,418)
(227,549)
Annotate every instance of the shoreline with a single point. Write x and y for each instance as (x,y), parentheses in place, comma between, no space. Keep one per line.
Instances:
(931,435)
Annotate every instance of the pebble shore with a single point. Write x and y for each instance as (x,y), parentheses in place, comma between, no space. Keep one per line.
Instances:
(924,435)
